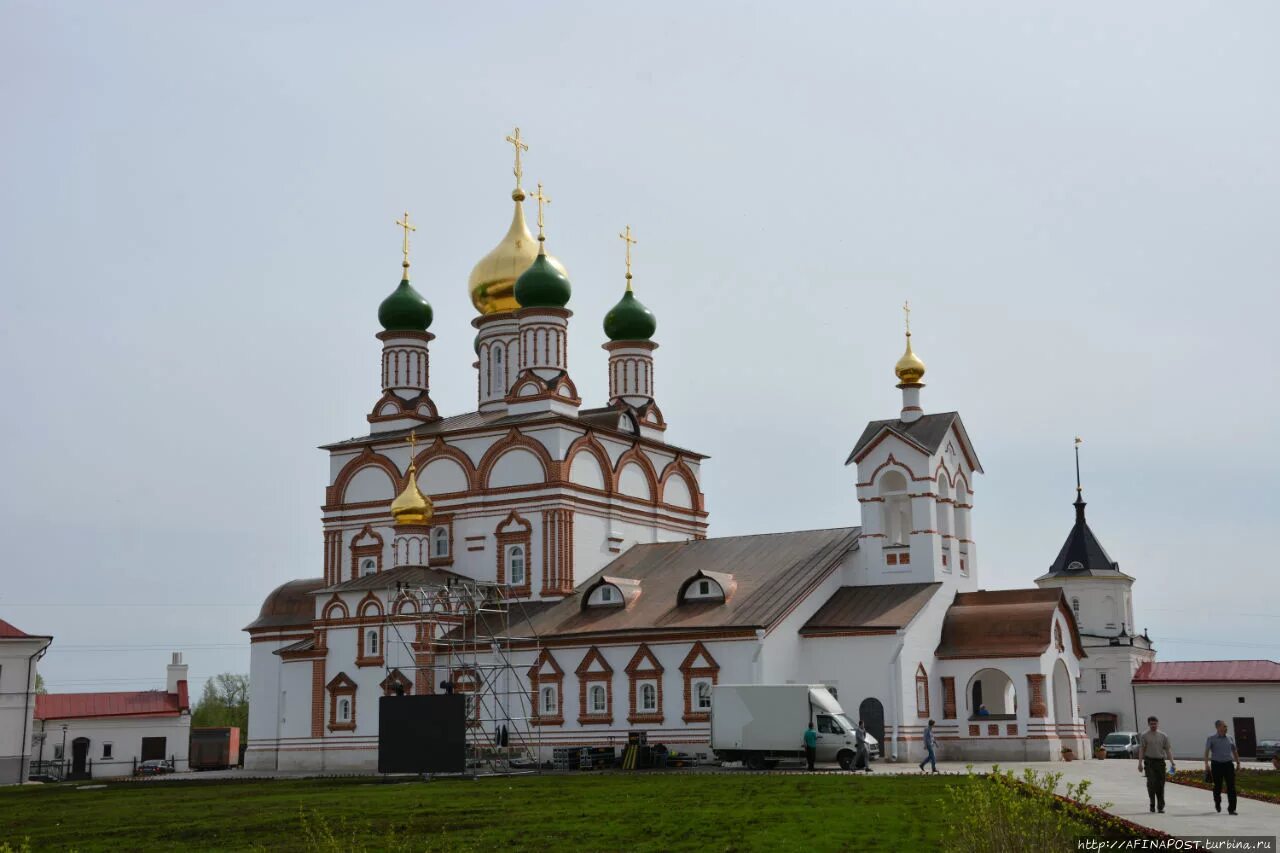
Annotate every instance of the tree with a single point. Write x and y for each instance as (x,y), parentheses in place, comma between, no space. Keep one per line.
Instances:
(40,688)
(223,702)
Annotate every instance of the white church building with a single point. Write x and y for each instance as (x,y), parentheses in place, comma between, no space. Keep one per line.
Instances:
(622,611)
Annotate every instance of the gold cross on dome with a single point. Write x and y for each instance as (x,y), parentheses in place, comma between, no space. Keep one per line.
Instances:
(906,311)
(630,241)
(404,223)
(519,145)
(412,440)
(541,200)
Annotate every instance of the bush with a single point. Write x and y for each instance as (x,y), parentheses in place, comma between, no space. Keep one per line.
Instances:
(1002,813)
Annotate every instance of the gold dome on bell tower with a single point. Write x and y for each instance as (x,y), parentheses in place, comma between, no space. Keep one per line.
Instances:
(492,282)
(909,369)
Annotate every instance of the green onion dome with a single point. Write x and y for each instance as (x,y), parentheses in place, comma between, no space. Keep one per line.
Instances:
(542,285)
(405,310)
(629,320)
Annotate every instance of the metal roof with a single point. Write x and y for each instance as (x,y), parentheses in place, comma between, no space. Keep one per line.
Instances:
(143,703)
(1179,671)
(1005,623)
(870,609)
(926,433)
(288,605)
(772,572)
(411,575)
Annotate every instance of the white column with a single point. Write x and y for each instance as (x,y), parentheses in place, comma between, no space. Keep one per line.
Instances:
(406,365)
(631,371)
(498,340)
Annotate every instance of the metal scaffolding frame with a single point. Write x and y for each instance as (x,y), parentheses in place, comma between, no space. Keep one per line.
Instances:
(464,627)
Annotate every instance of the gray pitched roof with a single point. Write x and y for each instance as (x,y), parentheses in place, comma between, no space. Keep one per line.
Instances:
(927,433)
(1082,554)
(411,575)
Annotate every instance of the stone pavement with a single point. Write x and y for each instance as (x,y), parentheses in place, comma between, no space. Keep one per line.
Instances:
(1188,811)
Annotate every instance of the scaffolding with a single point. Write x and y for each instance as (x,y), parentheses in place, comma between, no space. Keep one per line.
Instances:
(460,636)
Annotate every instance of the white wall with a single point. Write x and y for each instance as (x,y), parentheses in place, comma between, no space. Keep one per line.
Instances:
(17,705)
(1189,722)
(125,735)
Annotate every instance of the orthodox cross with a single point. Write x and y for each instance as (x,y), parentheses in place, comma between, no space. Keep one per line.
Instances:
(630,241)
(1079,441)
(906,312)
(541,200)
(404,223)
(519,146)
(412,440)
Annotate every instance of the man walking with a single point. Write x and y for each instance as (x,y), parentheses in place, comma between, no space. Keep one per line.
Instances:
(930,757)
(863,755)
(1219,751)
(1153,751)
(810,745)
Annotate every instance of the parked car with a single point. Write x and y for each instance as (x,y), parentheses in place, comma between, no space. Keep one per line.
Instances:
(1267,750)
(1121,745)
(154,767)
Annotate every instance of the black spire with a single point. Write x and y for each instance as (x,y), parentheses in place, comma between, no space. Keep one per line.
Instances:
(1082,553)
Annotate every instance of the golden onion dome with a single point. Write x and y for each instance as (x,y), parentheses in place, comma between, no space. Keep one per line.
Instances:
(492,282)
(909,369)
(411,506)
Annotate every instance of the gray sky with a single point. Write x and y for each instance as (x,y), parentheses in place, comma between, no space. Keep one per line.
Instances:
(196,207)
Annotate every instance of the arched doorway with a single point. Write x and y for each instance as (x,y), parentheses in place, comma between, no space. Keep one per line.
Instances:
(994,689)
(871,712)
(1063,710)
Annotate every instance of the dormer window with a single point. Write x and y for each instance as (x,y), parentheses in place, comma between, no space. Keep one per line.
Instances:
(605,595)
(368,567)
(708,587)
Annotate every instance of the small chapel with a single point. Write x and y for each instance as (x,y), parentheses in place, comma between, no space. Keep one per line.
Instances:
(552,561)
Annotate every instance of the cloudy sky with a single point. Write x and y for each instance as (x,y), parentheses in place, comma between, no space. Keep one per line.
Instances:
(196,205)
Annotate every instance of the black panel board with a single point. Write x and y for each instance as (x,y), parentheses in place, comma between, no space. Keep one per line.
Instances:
(422,734)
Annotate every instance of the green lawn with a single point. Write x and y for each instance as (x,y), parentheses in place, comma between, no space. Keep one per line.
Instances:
(1249,780)
(713,812)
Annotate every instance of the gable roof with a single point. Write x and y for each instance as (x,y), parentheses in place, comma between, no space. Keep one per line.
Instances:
(9,631)
(926,433)
(870,609)
(1181,671)
(139,703)
(1082,554)
(773,572)
(1005,623)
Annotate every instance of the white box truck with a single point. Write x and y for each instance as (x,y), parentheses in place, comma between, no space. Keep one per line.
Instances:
(761,724)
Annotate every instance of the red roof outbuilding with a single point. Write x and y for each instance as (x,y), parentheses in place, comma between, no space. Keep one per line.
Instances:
(1182,671)
(140,703)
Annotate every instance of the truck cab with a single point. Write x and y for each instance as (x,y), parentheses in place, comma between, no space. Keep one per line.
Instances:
(762,724)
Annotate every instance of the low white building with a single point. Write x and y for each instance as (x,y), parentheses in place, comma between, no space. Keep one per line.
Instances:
(1188,696)
(109,734)
(19,652)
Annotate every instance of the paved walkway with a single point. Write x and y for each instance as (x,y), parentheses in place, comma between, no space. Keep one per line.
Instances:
(1188,811)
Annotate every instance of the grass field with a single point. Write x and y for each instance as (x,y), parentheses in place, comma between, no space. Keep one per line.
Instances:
(1250,781)
(713,812)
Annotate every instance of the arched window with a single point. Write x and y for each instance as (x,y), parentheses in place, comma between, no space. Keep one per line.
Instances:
(515,565)
(1075,607)
(440,542)
(599,699)
(547,704)
(372,642)
(344,710)
(368,567)
(648,698)
(897,508)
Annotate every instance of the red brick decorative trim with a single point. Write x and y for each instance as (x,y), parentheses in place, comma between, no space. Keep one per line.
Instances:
(948,697)
(974,730)
(515,529)
(557,552)
(367,543)
(636,455)
(922,693)
(588,443)
(441,449)
(341,687)
(1011,728)
(697,665)
(337,493)
(586,678)
(993,729)
(334,608)
(1036,708)
(538,680)
(644,667)
(395,679)
(678,468)
(317,698)
(513,439)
